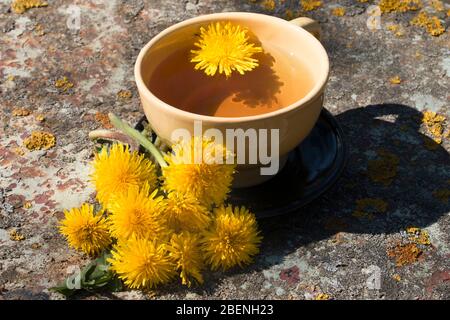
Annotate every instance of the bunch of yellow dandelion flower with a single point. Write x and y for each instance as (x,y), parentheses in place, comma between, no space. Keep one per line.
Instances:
(224,48)
(85,230)
(159,232)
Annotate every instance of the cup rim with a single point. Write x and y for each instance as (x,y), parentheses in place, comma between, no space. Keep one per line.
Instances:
(311,95)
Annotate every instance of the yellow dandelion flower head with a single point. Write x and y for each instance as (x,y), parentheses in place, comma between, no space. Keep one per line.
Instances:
(224,47)
(136,212)
(200,168)
(183,212)
(115,171)
(233,238)
(184,249)
(84,230)
(142,263)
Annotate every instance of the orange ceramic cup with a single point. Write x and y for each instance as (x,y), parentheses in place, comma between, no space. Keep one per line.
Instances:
(294,121)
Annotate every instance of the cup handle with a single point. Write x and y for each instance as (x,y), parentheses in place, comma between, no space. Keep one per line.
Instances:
(310,25)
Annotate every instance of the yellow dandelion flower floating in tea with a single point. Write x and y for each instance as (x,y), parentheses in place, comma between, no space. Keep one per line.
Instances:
(183,212)
(116,171)
(184,249)
(233,238)
(205,179)
(136,212)
(142,263)
(224,48)
(84,230)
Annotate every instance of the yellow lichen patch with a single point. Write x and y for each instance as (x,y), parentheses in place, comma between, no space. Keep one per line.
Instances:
(103,119)
(124,94)
(395,80)
(21,112)
(20,6)
(14,235)
(442,195)
(27,205)
(40,140)
(269,5)
(396,30)
(434,123)
(10,77)
(338,12)
(437,5)
(405,254)
(432,24)
(322,296)
(366,207)
(39,30)
(310,5)
(63,83)
(387,6)
(397,277)
(448,13)
(19,151)
(40,118)
(418,236)
(384,169)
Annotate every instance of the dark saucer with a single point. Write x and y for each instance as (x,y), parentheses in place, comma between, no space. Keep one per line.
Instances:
(311,169)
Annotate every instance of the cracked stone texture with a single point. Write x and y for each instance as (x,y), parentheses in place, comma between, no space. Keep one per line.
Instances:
(324,248)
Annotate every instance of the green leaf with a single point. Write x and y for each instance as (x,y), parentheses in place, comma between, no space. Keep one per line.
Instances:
(93,277)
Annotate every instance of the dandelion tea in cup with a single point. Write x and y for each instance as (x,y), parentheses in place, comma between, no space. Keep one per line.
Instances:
(277,81)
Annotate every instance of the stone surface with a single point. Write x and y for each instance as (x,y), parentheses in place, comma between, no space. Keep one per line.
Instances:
(324,248)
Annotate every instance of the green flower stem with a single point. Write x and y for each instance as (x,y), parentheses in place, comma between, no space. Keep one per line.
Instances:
(139,137)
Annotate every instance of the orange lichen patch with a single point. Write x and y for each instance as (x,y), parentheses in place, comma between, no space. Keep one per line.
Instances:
(448,13)
(395,80)
(363,1)
(64,84)
(387,6)
(14,235)
(269,5)
(442,194)
(124,94)
(289,14)
(434,123)
(20,6)
(338,12)
(40,140)
(310,5)
(432,24)
(418,236)
(384,169)
(397,277)
(322,296)
(437,5)
(40,118)
(21,112)
(103,119)
(367,207)
(405,254)
(27,205)
(19,151)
